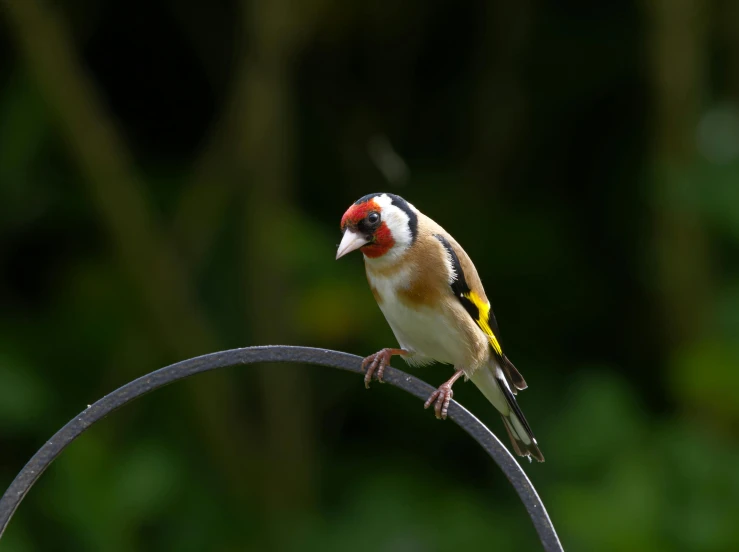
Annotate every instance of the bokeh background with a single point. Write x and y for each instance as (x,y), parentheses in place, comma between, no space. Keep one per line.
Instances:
(172,176)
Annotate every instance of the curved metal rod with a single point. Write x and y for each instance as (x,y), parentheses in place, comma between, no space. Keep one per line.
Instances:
(276,353)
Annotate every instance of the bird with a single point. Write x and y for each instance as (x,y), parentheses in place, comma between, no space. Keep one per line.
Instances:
(432,297)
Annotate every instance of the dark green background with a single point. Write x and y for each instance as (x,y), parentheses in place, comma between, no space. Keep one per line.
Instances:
(172,176)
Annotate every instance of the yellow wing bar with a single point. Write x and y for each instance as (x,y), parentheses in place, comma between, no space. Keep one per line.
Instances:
(483,318)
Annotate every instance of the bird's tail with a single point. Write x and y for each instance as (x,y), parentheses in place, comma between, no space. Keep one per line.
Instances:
(492,382)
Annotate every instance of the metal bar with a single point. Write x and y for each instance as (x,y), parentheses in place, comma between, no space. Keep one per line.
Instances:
(274,353)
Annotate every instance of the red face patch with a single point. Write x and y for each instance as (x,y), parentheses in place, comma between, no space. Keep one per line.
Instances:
(380,241)
(355,213)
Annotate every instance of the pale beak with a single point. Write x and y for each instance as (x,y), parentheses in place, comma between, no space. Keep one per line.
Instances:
(350,242)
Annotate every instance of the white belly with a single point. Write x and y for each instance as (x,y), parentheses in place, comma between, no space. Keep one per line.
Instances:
(425,332)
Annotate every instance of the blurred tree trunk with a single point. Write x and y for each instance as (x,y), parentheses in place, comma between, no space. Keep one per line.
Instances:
(728,15)
(250,149)
(499,103)
(265,127)
(678,55)
(167,295)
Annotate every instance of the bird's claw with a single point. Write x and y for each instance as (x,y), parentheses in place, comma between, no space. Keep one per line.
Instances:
(440,399)
(375,365)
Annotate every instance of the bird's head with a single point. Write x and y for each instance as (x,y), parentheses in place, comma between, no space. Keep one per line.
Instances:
(378,225)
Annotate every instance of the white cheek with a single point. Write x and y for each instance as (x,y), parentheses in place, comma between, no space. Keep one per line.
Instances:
(397,221)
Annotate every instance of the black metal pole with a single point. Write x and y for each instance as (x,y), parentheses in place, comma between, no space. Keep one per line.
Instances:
(276,353)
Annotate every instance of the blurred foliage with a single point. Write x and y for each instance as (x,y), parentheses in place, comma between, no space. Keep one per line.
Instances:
(172,177)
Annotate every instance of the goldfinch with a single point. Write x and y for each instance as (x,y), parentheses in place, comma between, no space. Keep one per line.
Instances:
(430,293)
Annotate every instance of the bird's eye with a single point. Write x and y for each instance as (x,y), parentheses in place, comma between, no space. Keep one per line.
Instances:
(373,218)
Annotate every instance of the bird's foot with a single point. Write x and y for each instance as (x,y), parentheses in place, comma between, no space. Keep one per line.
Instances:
(376,363)
(443,396)
(440,399)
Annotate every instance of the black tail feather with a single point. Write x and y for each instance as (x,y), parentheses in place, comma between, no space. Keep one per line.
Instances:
(514,377)
(518,428)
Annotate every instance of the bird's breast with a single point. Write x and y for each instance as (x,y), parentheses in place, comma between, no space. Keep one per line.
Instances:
(428,330)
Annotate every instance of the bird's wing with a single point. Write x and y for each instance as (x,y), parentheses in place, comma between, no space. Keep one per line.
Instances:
(467,288)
